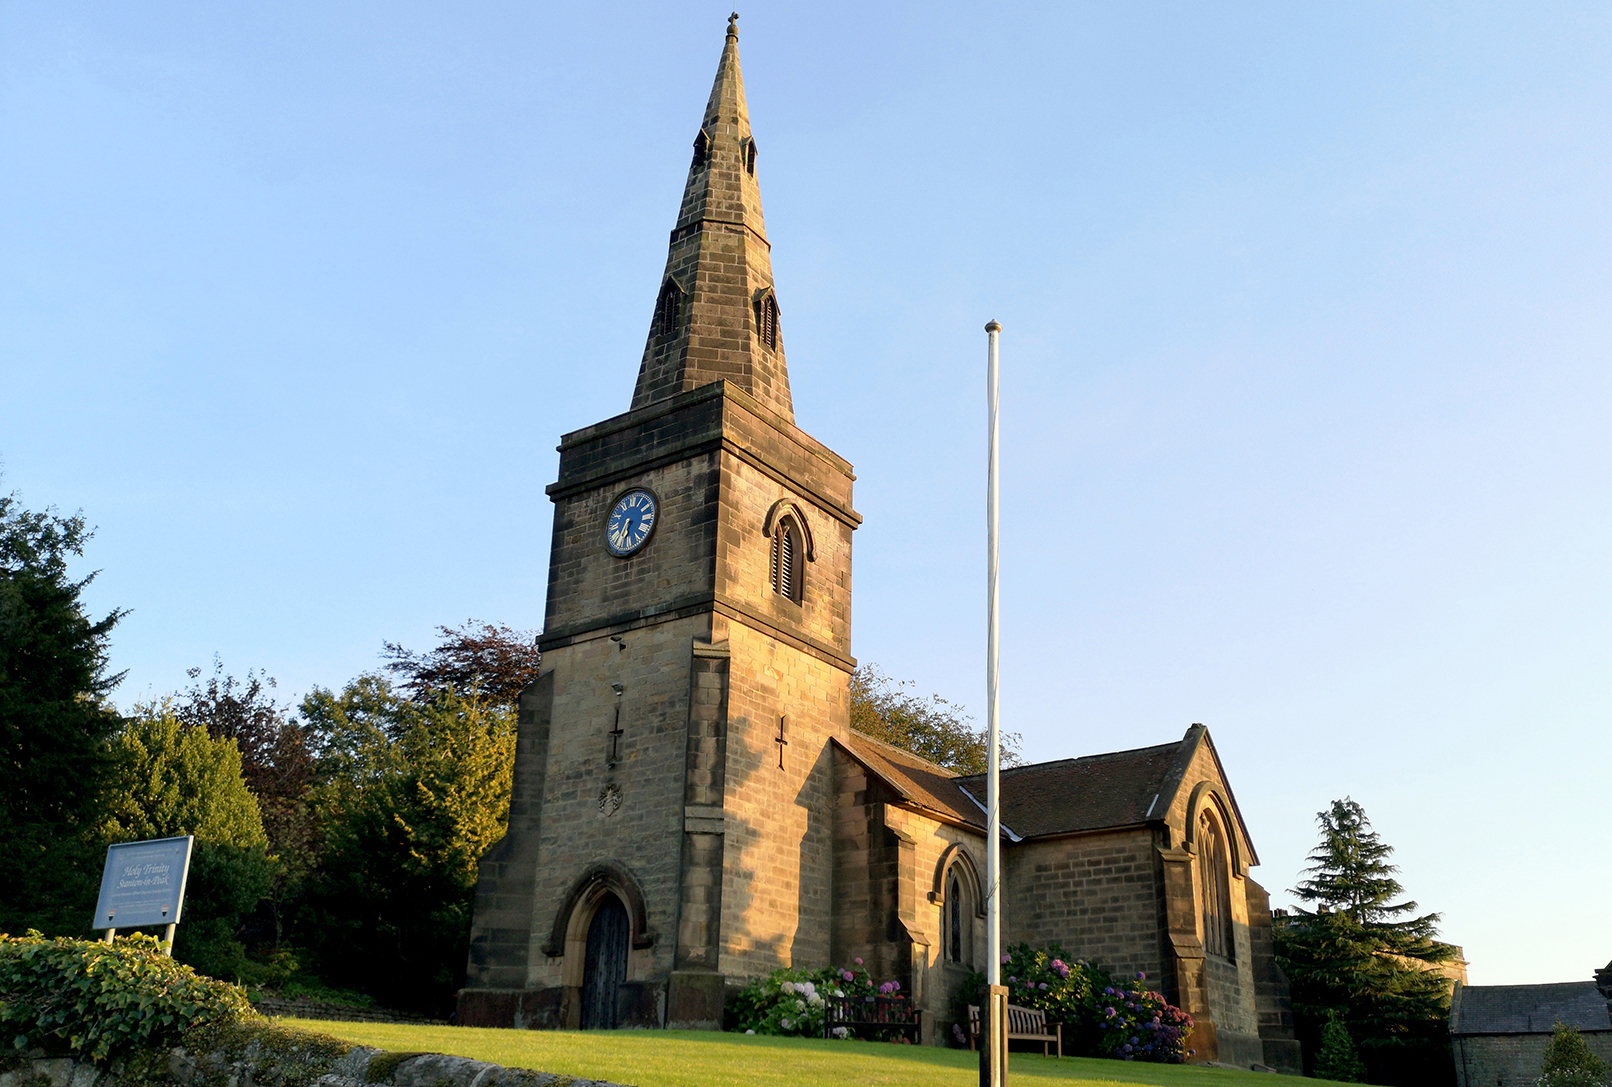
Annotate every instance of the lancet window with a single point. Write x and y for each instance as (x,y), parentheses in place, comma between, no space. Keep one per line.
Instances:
(750,157)
(767,321)
(668,308)
(1214,887)
(788,556)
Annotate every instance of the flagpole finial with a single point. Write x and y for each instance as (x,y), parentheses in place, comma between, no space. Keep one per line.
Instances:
(994,326)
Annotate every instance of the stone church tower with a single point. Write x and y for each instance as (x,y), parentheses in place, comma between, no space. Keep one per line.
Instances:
(673,778)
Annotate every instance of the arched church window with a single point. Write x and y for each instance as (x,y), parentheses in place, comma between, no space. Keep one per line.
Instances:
(668,308)
(750,157)
(702,150)
(787,558)
(1214,887)
(954,919)
(767,321)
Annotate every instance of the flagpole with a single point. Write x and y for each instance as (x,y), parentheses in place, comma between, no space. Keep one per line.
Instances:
(993,1055)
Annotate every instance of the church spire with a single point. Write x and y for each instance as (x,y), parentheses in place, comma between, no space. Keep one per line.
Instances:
(716,317)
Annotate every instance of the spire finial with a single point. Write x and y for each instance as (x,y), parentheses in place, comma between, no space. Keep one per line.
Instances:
(733,27)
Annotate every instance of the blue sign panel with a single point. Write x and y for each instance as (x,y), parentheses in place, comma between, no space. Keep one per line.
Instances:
(144,883)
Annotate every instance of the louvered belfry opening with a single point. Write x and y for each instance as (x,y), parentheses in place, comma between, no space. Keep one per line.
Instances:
(767,321)
(786,580)
(669,308)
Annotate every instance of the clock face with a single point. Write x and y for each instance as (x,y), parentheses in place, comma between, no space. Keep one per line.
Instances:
(631,521)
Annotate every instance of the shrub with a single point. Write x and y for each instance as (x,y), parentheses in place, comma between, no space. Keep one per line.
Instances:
(1137,1024)
(100,1001)
(1101,1017)
(794,1002)
(1338,1059)
(1569,1062)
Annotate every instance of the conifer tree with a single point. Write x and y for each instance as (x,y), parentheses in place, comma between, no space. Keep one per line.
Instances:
(1365,956)
(1569,1062)
(55,722)
(1338,1059)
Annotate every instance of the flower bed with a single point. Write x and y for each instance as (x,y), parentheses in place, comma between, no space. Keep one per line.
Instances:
(791,1001)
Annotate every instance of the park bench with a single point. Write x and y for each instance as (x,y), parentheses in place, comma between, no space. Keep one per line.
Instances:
(886,1013)
(1024,1025)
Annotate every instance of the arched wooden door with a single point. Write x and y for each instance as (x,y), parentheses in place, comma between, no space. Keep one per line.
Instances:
(605,966)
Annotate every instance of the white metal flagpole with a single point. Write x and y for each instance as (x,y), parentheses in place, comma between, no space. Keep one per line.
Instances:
(993,1055)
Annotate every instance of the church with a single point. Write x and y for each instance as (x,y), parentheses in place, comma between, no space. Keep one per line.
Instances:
(690,807)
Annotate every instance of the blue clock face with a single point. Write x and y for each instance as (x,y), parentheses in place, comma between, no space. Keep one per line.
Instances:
(631,521)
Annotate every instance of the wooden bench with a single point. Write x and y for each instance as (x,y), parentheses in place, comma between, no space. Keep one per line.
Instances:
(1024,1025)
(888,1013)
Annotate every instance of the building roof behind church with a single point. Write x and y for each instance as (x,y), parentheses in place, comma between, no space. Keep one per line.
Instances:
(1528,1009)
(1121,788)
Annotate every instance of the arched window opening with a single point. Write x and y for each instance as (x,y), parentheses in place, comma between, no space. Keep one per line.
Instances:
(955,917)
(767,321)
(702,150)
(787,560)
(1214,887)
(605,965)
(668,308)
(750,157)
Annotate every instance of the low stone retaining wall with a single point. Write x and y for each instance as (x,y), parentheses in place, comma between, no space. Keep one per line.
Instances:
(266,1055)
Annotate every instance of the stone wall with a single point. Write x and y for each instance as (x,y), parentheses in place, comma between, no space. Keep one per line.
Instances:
(1512,1060)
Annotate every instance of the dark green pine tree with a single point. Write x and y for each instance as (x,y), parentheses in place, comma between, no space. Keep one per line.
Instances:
(55,724)
(1338,1059)
(1366,958)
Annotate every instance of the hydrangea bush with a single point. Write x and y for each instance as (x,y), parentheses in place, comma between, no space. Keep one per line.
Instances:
(1136,1023)
(794,1002)
(1101,1016)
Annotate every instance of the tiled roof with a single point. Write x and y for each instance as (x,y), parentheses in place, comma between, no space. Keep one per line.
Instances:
(1118,789)
(1528,1009)
(919,780)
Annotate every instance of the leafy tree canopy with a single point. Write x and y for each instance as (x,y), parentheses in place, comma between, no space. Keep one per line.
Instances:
(54,720)
(172,779)
(930,728)
(480,660)
(1569,1062)
(410,796)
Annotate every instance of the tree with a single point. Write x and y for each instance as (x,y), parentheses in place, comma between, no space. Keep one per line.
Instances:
(494,663)
(171,779)
(1357,956)
(55,722)
(1569,1062)
(930,728)
(275,761)
(410,796)
(1338,1059)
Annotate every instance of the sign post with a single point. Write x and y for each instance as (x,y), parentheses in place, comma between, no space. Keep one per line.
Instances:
(143,884)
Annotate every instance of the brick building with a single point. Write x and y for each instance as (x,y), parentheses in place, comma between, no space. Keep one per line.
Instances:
(690,806)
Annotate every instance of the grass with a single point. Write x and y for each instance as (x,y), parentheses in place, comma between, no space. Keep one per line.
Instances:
(672,1058)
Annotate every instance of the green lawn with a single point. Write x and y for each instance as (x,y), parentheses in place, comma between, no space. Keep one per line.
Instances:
(671,1058)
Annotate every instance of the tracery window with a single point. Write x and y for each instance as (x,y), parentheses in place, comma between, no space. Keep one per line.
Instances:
(1214,887)
(767,321)
(787,557)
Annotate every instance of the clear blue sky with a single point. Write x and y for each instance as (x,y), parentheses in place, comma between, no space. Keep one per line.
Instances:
(1306,386)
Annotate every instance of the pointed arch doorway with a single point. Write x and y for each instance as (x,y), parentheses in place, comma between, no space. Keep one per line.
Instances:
(605,964)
